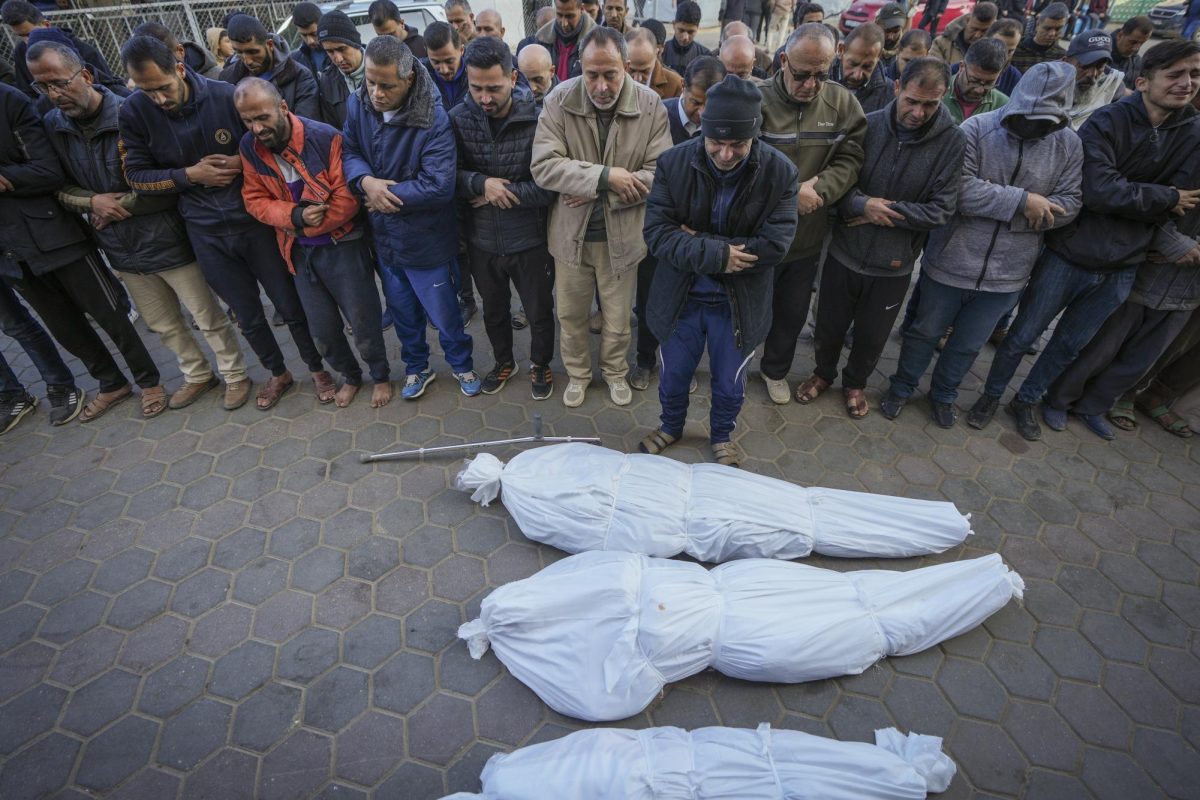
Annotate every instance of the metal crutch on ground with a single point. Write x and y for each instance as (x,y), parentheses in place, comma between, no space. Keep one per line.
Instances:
(446,448)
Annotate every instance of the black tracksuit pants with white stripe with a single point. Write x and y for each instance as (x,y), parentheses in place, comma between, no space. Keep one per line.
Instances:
(63,296)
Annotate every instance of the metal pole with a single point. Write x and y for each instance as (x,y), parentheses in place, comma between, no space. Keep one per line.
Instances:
(445,448)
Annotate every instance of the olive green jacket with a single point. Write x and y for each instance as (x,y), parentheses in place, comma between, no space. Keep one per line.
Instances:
(823,138)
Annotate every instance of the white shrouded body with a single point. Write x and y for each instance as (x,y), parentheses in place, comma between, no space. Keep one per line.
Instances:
(579,497)
(598,635)
(717,764)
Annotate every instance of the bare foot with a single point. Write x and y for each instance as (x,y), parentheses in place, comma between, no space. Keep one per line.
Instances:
(345,395)
(381,395)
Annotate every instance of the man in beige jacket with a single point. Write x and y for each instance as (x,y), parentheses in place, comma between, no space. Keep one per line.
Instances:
(597,142)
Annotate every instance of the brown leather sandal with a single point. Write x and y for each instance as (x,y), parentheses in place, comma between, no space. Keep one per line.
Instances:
(325,386)
(727,454)
(273,390)
(154,402)
(99,405)
(656,441)
(856,403)
(811,389)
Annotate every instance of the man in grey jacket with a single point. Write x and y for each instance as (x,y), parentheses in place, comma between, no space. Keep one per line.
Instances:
(908,187)
(975,267)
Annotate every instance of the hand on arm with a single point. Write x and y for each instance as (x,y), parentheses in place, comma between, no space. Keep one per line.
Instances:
(107,209)
(215,170)
(379,198)
(1039,211)
(808,200)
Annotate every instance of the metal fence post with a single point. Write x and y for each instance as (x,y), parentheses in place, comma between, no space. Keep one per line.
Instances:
(197,34)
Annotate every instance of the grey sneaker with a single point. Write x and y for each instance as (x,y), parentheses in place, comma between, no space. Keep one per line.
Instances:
(65,403)
(13,409)
(639,378)
(574,394)
(619,392)
(778,390)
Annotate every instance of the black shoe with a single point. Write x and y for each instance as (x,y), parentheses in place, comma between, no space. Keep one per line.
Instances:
(891,405)
(494,381)
(277,320)
(468,310)
(1027,424)
(944,414)
(13,409)
(65,403)
(543,382)
(982,412)
(639,377)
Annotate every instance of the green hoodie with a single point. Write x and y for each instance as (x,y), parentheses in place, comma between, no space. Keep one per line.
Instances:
(823,138)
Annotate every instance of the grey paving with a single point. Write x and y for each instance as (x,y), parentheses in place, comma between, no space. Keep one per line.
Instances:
(229,605)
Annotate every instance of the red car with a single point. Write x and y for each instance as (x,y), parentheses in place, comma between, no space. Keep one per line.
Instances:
(865,10)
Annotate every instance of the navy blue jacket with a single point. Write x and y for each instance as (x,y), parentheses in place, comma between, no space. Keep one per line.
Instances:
(1129,168)
(416,149)
(453,91)
(679,134)
(159,147)
(762,216)
(34,229)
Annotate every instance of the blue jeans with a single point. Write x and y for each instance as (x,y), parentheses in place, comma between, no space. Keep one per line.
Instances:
(702,324)
(17,322)
(336,281)
(413,293)
(1085,299)
(972,314)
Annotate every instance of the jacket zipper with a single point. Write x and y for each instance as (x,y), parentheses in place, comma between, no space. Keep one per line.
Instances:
(996,232)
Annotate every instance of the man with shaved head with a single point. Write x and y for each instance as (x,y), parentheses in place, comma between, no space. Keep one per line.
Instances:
(537,67)
(489,23)
(762,57)
(737,54)
(645,68)
(293,181)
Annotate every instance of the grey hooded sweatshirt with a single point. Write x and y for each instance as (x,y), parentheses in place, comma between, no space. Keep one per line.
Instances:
(988,244)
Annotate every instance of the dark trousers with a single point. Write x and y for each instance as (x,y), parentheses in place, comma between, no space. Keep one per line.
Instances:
(1177,370)
(647,344)
(932,14)
(19,324)
(1085,300)
(973,316)
(789,311)
(336,281)
(1116,358)
(871,304)
(235,262)
(702,325)
(63,296)
(532,272)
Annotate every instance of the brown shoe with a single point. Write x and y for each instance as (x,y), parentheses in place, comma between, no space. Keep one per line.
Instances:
(187,394)
(273,390)
(103,401)
(237,393)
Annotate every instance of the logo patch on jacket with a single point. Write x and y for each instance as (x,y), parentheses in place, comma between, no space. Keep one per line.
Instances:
(223,136)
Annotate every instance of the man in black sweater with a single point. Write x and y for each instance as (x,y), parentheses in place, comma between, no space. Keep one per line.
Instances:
(682,48)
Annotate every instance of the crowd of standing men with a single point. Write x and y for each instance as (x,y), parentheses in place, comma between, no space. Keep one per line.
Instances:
(604,168)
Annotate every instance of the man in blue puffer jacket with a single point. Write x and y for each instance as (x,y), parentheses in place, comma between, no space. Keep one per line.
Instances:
(400,157)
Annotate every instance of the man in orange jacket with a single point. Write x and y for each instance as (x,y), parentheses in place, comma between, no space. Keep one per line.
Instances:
(293,181)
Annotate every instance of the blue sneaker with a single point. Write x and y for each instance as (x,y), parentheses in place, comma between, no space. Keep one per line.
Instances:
(414,385)
(1055,419)
(1098,425)
(469,382)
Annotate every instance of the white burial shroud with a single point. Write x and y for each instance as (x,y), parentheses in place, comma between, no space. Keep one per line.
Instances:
(579,497)
(598,635)
(717,764)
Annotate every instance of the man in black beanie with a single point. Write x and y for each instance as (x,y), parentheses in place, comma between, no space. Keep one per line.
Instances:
(682,48)
(720,216)
(343,47)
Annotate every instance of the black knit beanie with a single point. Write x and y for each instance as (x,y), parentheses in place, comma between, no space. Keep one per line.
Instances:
(335,26)
(733,110)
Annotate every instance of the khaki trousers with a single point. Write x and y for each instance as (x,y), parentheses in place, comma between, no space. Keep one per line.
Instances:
(575,286)
(158,296)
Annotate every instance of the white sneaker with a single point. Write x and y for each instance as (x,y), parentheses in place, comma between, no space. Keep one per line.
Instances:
(693,386)
(573,396)
(619,392)
(779,391)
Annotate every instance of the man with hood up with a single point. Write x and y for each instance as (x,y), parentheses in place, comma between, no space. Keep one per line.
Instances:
(975,267)
(1134,151)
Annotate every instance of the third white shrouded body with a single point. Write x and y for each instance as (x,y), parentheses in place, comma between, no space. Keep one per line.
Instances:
(579,498)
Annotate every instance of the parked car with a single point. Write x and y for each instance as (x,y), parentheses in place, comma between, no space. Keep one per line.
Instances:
(865,10)
(420,15)
(1168,19)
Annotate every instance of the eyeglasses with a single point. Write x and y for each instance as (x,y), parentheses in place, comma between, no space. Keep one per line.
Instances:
(804,77)
(977,83)
(58,86)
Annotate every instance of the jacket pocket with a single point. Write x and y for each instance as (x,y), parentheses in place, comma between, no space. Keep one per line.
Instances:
(50,229)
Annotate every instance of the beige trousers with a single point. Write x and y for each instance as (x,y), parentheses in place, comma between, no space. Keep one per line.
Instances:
(574,287)
(158,296)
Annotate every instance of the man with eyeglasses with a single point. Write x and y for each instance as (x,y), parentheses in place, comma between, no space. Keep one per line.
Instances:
(821,128)
(974,88)
(1096,84)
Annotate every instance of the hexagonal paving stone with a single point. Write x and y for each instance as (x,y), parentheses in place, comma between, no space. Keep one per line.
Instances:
(283,615)
(147,783)
(294,538)
(366,751)
(100,702)
(123,570)
(324,501)
(374,558)
(116,754)
(988,757)
(426,546)
(336,699)
(40,769)
(432,626)
(220,629)
(1168,759)
(242,670)
(1115,775)
(240,548)
(440,729)
(317,569)
(260,580)
(266,716)
(29,715)
(73,617)
(1144,699)
(1096,719)
(183,559)
(1113,637)
(402,591)
(856,718)
(1021,671)
(508,711)
(458,672)
(458,578)
(917,705)
(1043,736)
(308,655)
(413,781)
(343,603)
(197,731)
(972,689)
(295,768)
(372,641)
(14,587)
(18,624)
(741,704)
(136,606)
(685,709)
(87,656)
(61,582)
(201,592)
(173,686)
